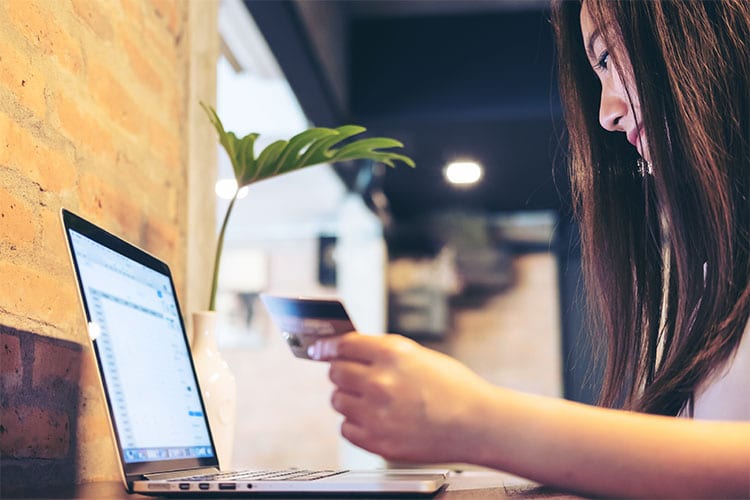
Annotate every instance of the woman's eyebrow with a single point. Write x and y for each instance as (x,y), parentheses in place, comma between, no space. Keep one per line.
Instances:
(590,44)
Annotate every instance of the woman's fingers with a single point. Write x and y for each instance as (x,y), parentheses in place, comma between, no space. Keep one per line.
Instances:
(351,346)
(354,433)
(349,405)
(349,376)
(370,439)
(330,348)
(392,392)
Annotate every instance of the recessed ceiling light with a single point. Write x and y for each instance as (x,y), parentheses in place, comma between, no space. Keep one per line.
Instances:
(463,172)
(225,189)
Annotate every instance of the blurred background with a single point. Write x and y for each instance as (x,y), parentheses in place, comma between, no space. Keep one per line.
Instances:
(473,252)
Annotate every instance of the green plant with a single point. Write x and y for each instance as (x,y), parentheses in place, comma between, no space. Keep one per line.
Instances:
(312,147)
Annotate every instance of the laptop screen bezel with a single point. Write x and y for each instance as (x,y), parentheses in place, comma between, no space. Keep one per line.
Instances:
(73,222)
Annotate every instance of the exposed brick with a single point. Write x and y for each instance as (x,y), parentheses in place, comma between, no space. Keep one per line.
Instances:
(148,174)
(56,172)
(174,109)
(35,293)
(161,237)
(90,400)
(168,11)
(94,15)
(142,67)
(109,204)
(20,150)
(165,45)
(32,432)
(54,251)
(172,201)
(21,76)
(79,126)
(166,143)
(36,20)
(11,366)
(94,94)
(114,98)
(17,224)
(98,460)
(159,194)
(133,11)
(54,364)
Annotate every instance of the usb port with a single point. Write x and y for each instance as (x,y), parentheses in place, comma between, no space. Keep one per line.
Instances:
(184,486)
(227,486)
(204,486)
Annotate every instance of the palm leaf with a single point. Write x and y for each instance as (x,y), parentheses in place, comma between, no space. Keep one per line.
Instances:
(311,147)
(245,158)
(319,152)
(267,161)
(291,155)
(365,148)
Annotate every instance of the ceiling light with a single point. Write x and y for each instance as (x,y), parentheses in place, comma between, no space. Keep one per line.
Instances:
(463,172)
(225,189)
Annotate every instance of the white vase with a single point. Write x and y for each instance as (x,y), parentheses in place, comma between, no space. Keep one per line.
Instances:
(217,385)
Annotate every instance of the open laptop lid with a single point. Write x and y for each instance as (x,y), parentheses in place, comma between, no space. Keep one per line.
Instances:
(142,353)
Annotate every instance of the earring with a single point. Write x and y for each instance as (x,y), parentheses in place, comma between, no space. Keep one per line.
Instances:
(644,167)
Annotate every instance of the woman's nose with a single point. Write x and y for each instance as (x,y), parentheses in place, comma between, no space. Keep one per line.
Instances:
(612,109)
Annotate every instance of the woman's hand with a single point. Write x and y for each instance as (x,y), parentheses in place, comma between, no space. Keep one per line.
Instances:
(403,401)
(409,403)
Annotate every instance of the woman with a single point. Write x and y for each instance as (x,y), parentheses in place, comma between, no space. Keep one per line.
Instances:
(657,101)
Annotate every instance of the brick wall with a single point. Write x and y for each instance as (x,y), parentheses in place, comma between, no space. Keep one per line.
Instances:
(39,414)
(94,115)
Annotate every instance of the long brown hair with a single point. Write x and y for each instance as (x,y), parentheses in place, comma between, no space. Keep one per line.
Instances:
(666,256)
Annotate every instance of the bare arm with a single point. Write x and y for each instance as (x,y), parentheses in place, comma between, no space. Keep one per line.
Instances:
(610,452)
(409,403)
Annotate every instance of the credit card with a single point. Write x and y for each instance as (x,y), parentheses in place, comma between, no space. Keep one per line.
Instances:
(302,321)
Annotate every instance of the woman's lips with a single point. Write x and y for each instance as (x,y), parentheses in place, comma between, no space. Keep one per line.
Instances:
(634,138)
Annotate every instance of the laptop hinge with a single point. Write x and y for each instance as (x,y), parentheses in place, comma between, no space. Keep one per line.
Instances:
(180,473)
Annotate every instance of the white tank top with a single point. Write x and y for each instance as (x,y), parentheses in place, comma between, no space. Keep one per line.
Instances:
(726,395)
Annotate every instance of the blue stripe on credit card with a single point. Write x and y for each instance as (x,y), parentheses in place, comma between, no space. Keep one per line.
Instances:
(305,308)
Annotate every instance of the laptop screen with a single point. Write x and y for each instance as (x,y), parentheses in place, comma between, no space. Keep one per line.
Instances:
(144,359)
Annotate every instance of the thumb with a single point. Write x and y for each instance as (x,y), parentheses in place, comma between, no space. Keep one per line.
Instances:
(324,349)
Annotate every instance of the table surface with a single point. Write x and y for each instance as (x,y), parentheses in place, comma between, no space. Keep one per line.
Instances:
(467,485)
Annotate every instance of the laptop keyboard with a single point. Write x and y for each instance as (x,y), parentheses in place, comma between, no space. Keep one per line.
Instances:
(266,475)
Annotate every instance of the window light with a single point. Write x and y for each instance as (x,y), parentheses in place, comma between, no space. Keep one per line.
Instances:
(225,189)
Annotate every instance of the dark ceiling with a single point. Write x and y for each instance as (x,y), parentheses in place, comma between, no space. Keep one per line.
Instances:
(450,79)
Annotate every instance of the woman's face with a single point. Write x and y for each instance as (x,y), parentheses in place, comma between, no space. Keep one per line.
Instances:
(619,108)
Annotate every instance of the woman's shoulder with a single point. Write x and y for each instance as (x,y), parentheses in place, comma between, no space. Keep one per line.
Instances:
(726,396)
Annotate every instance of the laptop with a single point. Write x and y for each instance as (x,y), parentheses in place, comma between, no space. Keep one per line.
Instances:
(155,407)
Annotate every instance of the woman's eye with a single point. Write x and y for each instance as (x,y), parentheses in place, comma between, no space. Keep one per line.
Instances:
(603,60)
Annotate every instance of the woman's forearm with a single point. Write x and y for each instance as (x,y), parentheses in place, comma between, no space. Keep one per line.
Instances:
(610,452)
(411,404)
